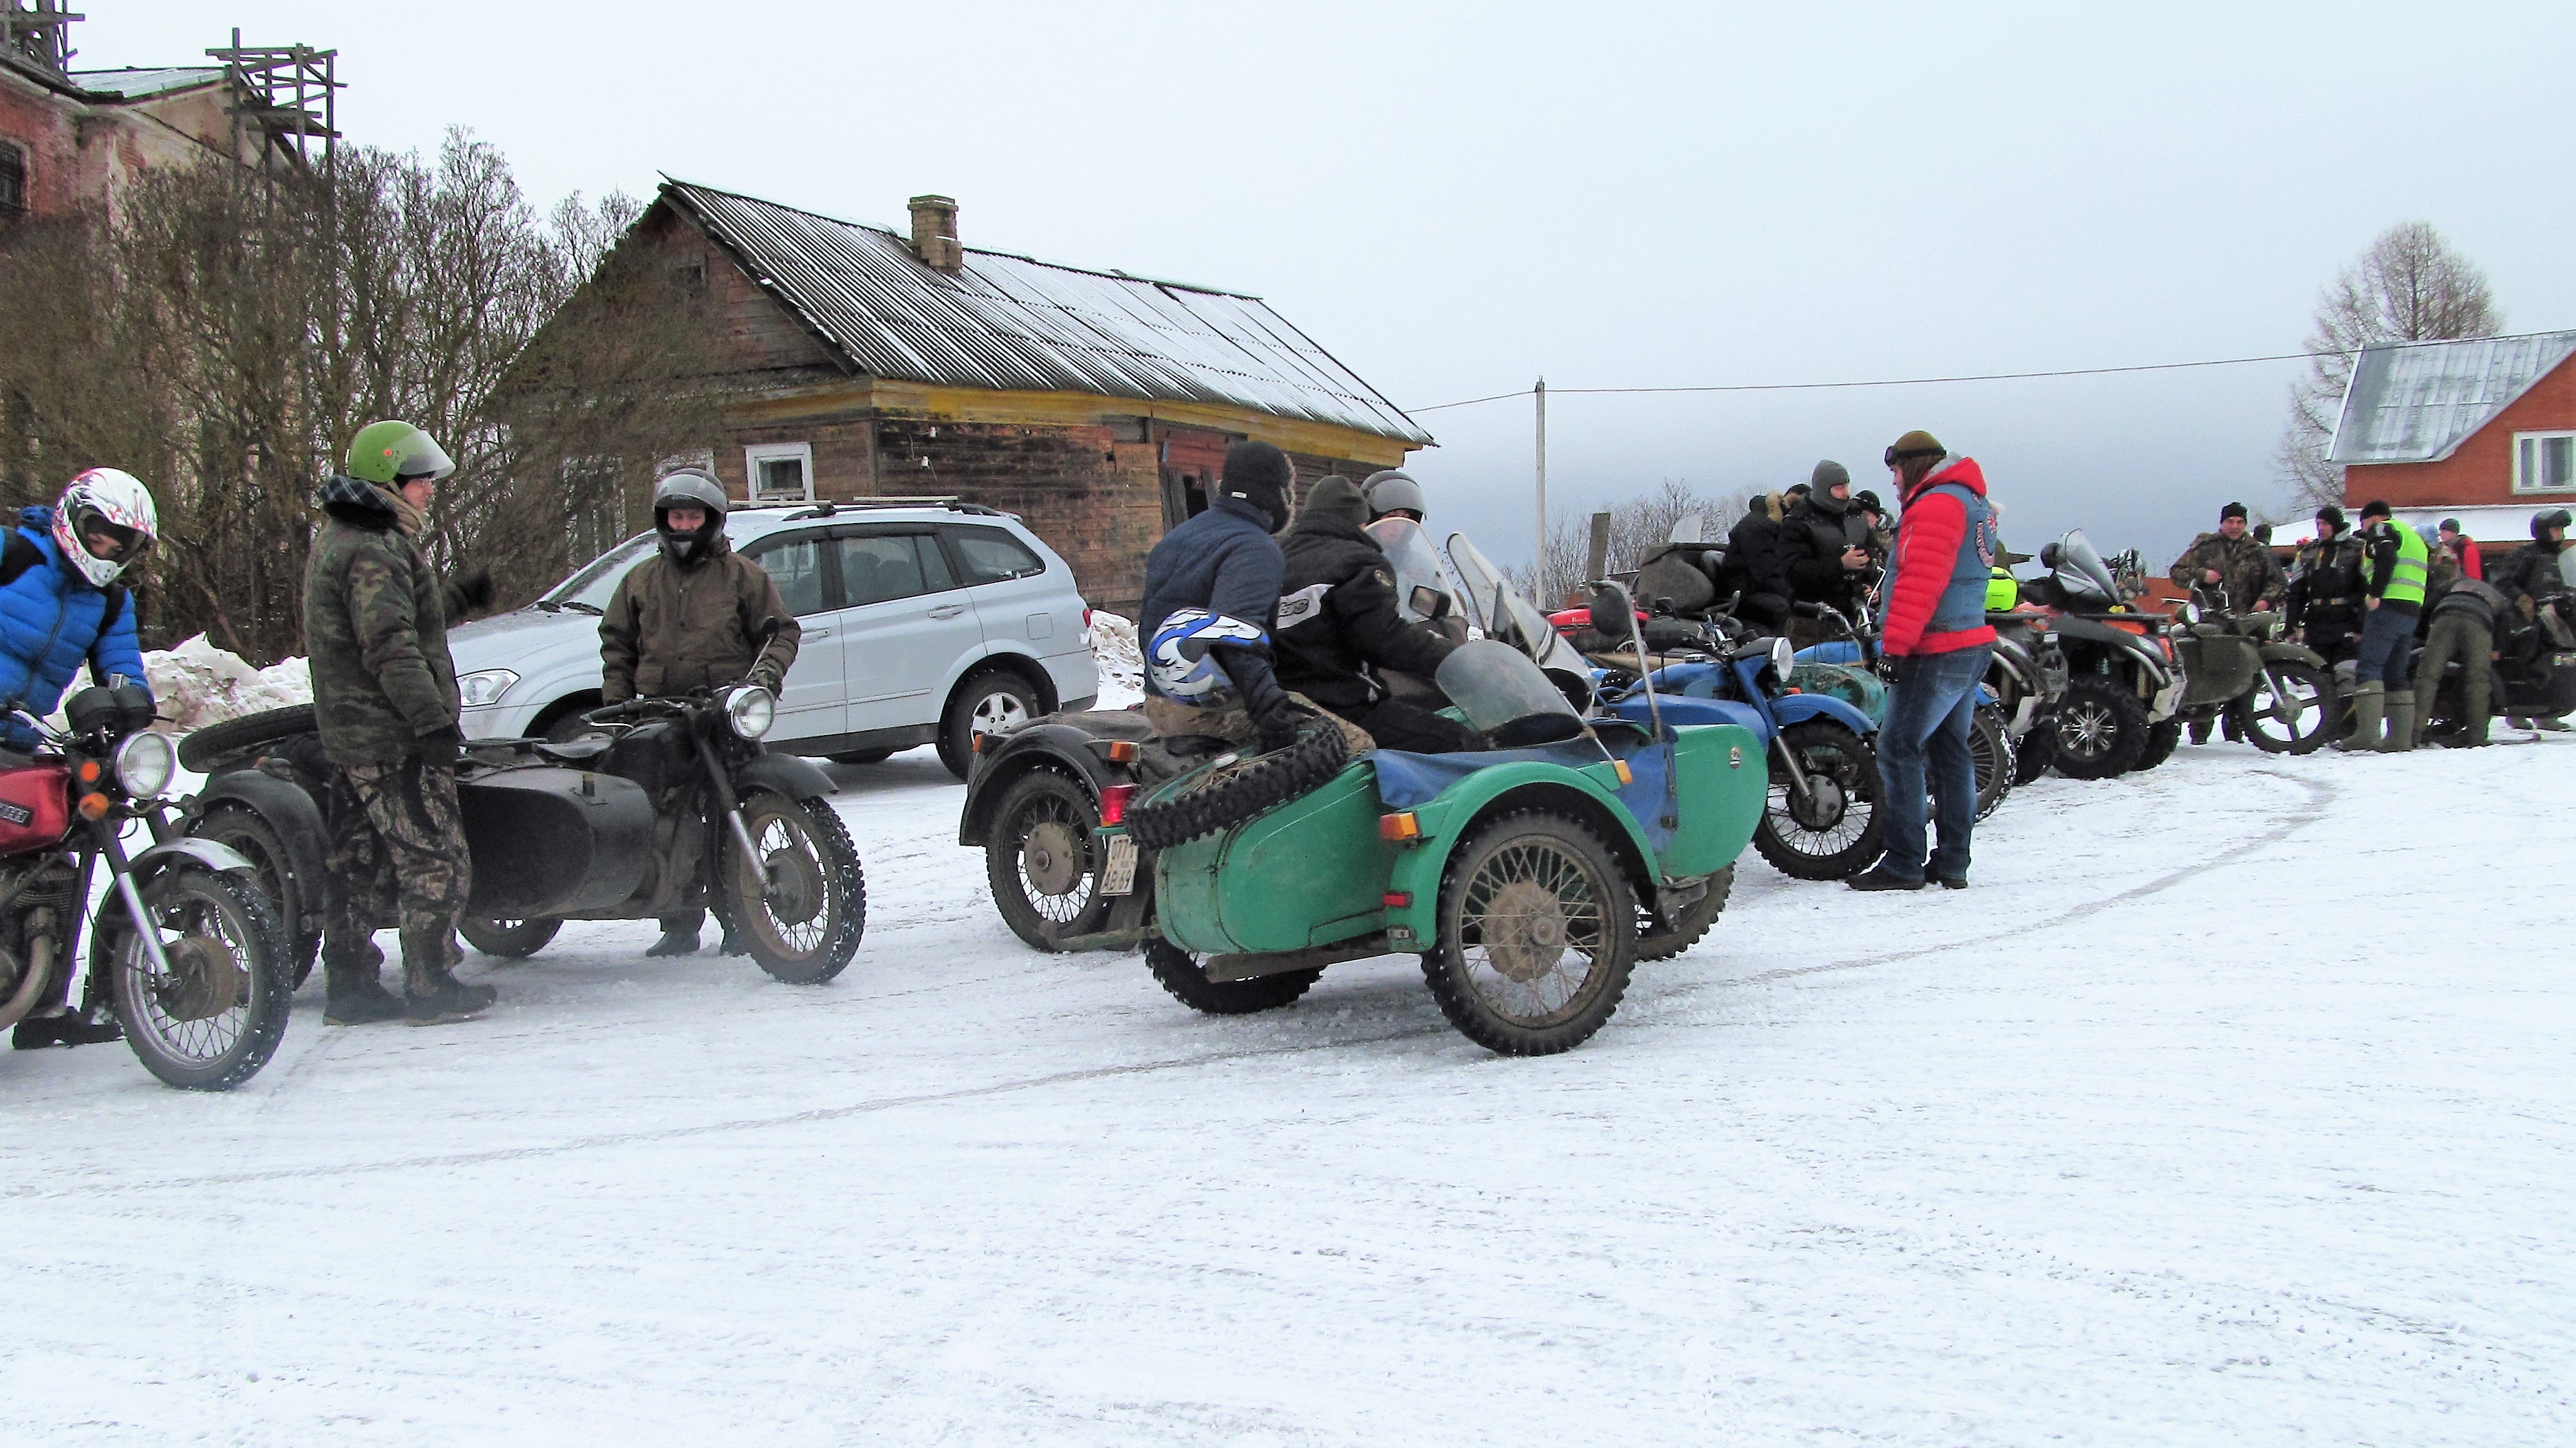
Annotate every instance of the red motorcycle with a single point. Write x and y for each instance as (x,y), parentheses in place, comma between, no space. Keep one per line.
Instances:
(184,947)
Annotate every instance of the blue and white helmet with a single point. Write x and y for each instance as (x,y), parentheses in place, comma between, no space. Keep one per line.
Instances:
(1178,659)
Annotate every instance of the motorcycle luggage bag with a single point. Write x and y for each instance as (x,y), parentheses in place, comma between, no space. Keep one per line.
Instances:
(554,842)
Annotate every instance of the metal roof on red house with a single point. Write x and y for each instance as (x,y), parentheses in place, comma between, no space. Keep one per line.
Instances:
(1015,323)
(2415,402)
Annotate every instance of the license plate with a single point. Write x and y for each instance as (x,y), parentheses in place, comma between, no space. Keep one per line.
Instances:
(1118,876)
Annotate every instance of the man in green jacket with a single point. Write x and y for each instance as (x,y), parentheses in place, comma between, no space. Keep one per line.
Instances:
(384,693)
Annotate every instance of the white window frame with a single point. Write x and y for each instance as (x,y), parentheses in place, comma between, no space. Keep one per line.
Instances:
(2552,435)
(769,452)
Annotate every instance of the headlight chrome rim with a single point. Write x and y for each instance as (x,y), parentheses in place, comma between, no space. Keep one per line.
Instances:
(485,686)
(1783,657)
(751,711)
(145,765)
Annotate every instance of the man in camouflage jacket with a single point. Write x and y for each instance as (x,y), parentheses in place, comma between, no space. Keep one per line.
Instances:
(2243,570)
(384,694)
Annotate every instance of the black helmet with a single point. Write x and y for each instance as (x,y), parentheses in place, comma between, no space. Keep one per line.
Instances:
(2541,523)
(689,488)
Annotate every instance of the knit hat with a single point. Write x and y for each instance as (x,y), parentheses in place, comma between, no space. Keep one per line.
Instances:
(2448,525)
(1915,444)
(1259,474)
(2330,515)
(2262,532)
(2375,508)
(1828,476)
(1795,491)
(2232,510)
(1869,500)
(1334,505)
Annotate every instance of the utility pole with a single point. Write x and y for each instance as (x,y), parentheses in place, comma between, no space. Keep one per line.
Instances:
(1538,555)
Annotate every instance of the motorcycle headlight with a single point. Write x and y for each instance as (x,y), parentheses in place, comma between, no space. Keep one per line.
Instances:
(1783,657)
(485,686)
(750,711)
(144,764)
(2189,613)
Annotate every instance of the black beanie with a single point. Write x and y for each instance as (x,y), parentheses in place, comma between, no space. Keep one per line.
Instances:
(1261,475)
(2330,515)
(2232,510)
(2377,509)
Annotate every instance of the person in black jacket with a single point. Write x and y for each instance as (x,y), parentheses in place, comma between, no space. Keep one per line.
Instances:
(1338,625)
(1754,558)
(1824,541)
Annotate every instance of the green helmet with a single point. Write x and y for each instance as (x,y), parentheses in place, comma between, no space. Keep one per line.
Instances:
(390,453)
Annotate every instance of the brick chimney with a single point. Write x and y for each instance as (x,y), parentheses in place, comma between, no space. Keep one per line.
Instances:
(934,234)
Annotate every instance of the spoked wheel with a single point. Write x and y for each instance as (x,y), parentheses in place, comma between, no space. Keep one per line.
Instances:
(2288,709)
(1833,831)
(1656,943)
(800,907)
(245,831)
(1990,745)
(1182,975)
(2101,728)
(216,1016)
(1538,934)
(1039,859)
(514,939)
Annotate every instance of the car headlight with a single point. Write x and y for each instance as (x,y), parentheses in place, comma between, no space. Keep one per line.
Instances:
(485,686)
(750,711)
(144,764)
(1783,657)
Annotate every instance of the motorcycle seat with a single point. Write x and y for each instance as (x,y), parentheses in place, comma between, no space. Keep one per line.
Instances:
(576,752)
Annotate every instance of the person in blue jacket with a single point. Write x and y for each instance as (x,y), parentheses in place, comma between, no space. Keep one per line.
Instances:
(61,606)
(1211,594)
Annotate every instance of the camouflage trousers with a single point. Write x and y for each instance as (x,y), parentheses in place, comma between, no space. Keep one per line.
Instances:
(398,859)
(1229,722)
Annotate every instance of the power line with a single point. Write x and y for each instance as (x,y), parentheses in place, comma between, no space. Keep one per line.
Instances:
(1987,376)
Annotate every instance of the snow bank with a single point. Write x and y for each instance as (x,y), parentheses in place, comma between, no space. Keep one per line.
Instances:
(1122,665)
(197,684)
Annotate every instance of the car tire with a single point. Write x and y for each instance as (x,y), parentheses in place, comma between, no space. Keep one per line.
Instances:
(987,700)
(862,756)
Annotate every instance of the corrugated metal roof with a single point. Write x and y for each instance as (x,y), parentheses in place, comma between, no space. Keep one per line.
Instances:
(136,82)
(1010,322)
(2415,402)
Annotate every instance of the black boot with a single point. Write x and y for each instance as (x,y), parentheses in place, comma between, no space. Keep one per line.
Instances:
(675,942)
(733,944)
(66,1029)
(452,1000)
(352,996)
(1876,877)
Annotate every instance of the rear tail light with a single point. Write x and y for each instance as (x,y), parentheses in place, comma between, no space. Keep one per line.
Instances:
(1086,616)
(1397,899)
(1113,803)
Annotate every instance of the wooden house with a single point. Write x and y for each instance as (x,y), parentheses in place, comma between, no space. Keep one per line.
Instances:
(1096,405)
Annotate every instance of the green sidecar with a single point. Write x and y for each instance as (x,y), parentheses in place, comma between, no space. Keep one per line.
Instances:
(1530,881)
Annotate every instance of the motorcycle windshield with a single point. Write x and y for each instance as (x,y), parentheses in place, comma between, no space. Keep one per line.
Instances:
(1423,589)
(2081,571)
(1503,614)
(1690,528)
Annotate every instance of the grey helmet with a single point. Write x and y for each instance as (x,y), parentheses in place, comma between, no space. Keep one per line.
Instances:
(689,488)
(1391,491)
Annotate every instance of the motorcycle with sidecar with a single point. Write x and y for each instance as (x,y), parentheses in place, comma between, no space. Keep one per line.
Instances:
(1528,879)
(2275,694)
(665,805)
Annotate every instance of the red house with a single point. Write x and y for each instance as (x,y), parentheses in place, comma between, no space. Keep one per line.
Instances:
(2482,430)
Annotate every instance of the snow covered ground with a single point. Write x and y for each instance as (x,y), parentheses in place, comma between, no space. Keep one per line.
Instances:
(2235,1104)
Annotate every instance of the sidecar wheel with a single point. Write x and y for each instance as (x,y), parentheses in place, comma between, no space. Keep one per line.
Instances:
(1836,833)
(1538,934)
(1040,860)
(512,939)
(216,1018)
(209,749)
(804,930)
(1179,974)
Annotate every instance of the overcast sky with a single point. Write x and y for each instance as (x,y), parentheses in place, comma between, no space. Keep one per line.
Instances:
(1455,199)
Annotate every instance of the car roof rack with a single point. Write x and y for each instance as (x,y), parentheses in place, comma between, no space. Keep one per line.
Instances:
(949,501)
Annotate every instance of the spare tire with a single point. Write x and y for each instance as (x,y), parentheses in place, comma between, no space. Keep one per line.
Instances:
(1233,792)
(205,750)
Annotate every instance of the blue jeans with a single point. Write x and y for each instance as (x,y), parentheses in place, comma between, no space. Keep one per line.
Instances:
(1931,710)
(2387,648)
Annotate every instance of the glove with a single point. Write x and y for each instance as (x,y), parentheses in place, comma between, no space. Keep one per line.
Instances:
(474,589)
(445,747)
(1276,727)
(766,675)
(1893,669)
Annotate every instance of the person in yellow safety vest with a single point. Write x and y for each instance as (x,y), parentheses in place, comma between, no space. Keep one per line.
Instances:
(2397,566)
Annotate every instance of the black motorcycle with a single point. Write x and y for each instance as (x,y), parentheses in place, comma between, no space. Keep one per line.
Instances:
(2125,681)
(184,947)
(667,805)
(2027,676)
(2532,677)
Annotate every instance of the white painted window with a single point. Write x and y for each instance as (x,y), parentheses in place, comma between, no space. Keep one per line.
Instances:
(780,472)
(2544,462)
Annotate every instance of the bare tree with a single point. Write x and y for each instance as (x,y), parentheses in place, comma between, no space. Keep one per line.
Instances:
(1638,526)
(2409,286)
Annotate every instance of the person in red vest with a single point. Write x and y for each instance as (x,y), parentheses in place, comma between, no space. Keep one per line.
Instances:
(1935,642)
(2464,548)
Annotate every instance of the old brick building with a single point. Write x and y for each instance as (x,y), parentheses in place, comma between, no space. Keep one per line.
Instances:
(2482,430)
(1095,405)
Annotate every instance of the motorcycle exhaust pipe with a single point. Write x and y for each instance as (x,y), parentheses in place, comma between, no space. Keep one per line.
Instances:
(31,986)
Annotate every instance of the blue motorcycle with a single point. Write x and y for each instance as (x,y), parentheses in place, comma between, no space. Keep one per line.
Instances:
(1845,667)
(1821,820)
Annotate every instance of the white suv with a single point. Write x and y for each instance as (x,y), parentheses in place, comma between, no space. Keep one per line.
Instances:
(924,623)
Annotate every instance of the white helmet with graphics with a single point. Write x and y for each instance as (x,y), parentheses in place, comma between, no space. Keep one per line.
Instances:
(1178,658)
(114,509)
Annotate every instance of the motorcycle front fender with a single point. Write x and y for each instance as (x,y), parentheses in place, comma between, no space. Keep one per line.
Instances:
(222,859)
(791,775)
(1790,709)
(290,813)
(2293,654)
